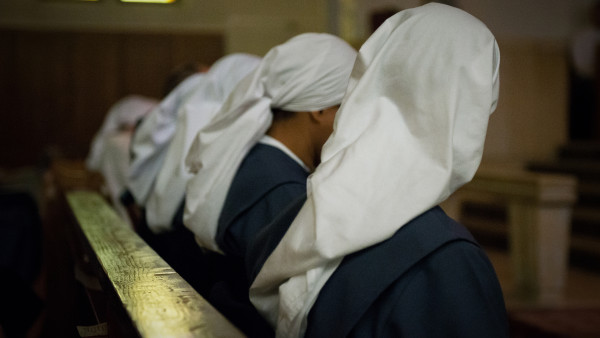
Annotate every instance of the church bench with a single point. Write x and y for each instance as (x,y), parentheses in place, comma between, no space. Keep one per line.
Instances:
(539,209)
(145,296)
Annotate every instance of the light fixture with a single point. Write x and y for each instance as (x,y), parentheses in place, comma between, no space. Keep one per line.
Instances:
(150,1)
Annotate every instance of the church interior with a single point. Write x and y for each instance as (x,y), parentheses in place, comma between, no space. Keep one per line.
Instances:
(534,203)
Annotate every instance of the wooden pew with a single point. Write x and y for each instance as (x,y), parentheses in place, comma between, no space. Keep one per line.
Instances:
(66,300)
(539,208)
(157,301)
(128,290)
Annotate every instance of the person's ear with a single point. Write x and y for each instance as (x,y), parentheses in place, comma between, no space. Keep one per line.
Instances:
(316,116)
(324,116)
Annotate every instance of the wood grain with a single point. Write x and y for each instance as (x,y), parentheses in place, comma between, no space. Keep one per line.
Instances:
(159,302)
(56,86)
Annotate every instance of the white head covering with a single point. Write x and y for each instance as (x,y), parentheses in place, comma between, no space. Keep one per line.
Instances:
(410,131)
(307,73)
(199,108)
(152,137)
(124,112)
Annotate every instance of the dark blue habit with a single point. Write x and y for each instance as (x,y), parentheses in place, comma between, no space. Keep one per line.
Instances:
(266,182)
(430,279)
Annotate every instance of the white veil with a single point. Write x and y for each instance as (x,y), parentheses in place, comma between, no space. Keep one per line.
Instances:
(410,131)
(152,137)
(194,113)
(307,73)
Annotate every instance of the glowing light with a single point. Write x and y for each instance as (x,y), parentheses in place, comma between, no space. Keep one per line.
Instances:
(150,1)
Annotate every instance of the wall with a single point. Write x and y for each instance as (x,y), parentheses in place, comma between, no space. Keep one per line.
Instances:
(530,121)
(256,26)
(56,86)
(63,63)
(252,26)
(183,15)
(536,19)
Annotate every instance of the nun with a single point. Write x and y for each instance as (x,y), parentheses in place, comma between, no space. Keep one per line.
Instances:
(368,252)
(253,159)
(152,138)
(109,152)
(121,117)
(163,213)
(168,191)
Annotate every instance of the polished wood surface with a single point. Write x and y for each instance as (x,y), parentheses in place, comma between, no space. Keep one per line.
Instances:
(158,301)
(56,86)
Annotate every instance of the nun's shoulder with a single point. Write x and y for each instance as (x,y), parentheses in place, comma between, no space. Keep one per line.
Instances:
(452,292)
(431,268)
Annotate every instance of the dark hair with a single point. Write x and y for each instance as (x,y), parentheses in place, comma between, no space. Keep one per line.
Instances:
(379,16)
(280,114)
(179,74)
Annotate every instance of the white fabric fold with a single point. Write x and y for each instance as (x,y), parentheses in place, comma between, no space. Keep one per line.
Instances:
(273,142)
(410,131)
(114,163)
(307,73)
(124,112)
(198,109)
(152,137)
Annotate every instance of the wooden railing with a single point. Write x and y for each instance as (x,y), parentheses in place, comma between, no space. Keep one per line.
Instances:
(129,288)
(539,221)
(157,300)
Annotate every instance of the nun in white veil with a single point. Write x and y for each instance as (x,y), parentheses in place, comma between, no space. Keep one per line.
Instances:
(369,253)
(307,73)
(153,136)
(253,159)
(123,115)
(109,153)
(198,109)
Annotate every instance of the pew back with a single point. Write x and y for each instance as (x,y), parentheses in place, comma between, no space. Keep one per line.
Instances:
(157,301)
